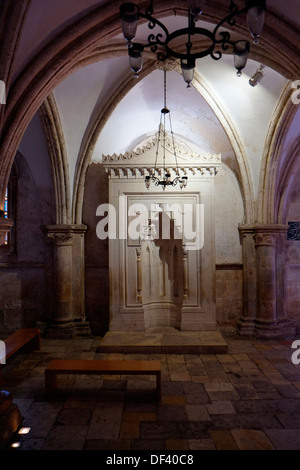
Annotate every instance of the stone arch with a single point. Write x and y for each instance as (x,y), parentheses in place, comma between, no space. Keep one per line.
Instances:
(59,161)
(268,202)
(287,181)
(69,49)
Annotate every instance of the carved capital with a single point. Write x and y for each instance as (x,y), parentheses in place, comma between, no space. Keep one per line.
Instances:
(267,235)
(61,238)
(63,235)
(265,239)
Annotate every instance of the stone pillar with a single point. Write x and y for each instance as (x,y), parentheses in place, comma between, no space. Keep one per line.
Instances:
(269,323)
(246,325)
(68,280)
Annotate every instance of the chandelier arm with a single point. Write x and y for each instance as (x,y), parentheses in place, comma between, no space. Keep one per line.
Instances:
(228,19)
(154,40)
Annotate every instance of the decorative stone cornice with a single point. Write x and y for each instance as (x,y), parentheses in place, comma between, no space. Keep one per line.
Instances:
(140,162)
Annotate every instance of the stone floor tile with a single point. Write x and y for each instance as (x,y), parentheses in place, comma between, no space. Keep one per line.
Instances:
(223,440)
(197,413)
(226,358)
(284,439)
(96,444)
(288,405)
(251,439)
(179,372)
(276,378)
(66,438)
(193,429)
(240,357)
(130,430)
(119,444)
(220,408)
(289,420)
(172,413)
(160,430)
(246,391)
(103,430)
(67,417)
(218,387)
(172,388)
(197,398)
(177,444)
(136,416)
(175,358)
(201,444)
(148,444)
(288,390)
(248,406)
(173,400)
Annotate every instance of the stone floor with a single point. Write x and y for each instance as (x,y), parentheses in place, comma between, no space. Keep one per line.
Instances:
(246,398)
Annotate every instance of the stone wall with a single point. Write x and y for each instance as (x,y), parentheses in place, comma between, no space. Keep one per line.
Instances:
(229,294)
(23,278)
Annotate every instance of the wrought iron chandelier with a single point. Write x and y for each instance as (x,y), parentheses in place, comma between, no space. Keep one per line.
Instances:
(163,43)
(161,141)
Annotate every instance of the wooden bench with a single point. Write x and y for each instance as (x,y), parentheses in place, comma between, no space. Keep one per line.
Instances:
(25,339)
(103,367)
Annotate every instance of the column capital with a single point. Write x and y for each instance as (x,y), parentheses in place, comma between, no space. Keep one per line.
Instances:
(264,234)
(268,234)
(63,234)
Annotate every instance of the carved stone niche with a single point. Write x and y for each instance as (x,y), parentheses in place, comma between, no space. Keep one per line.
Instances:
(162,280)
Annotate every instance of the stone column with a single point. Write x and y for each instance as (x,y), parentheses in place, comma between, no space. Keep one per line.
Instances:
(246,324)
(68,284)
(270,323)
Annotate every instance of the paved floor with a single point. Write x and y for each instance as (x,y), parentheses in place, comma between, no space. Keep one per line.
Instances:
(247,398)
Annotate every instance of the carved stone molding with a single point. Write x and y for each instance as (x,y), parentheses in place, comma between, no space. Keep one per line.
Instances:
(141,161)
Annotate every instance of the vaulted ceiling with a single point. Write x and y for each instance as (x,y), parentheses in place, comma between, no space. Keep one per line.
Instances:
(74,52)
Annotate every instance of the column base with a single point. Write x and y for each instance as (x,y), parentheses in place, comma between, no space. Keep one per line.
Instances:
(274,330)
(60,330)
(82,328)
(246,327)
(68,330)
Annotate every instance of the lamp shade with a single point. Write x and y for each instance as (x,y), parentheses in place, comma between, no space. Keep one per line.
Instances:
(255,17)
(135,53)
(188,68)
(129,18)
(196,6)
(257,77)
(241,51)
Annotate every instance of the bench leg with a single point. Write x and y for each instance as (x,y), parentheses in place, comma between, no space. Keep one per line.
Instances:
(50,382)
